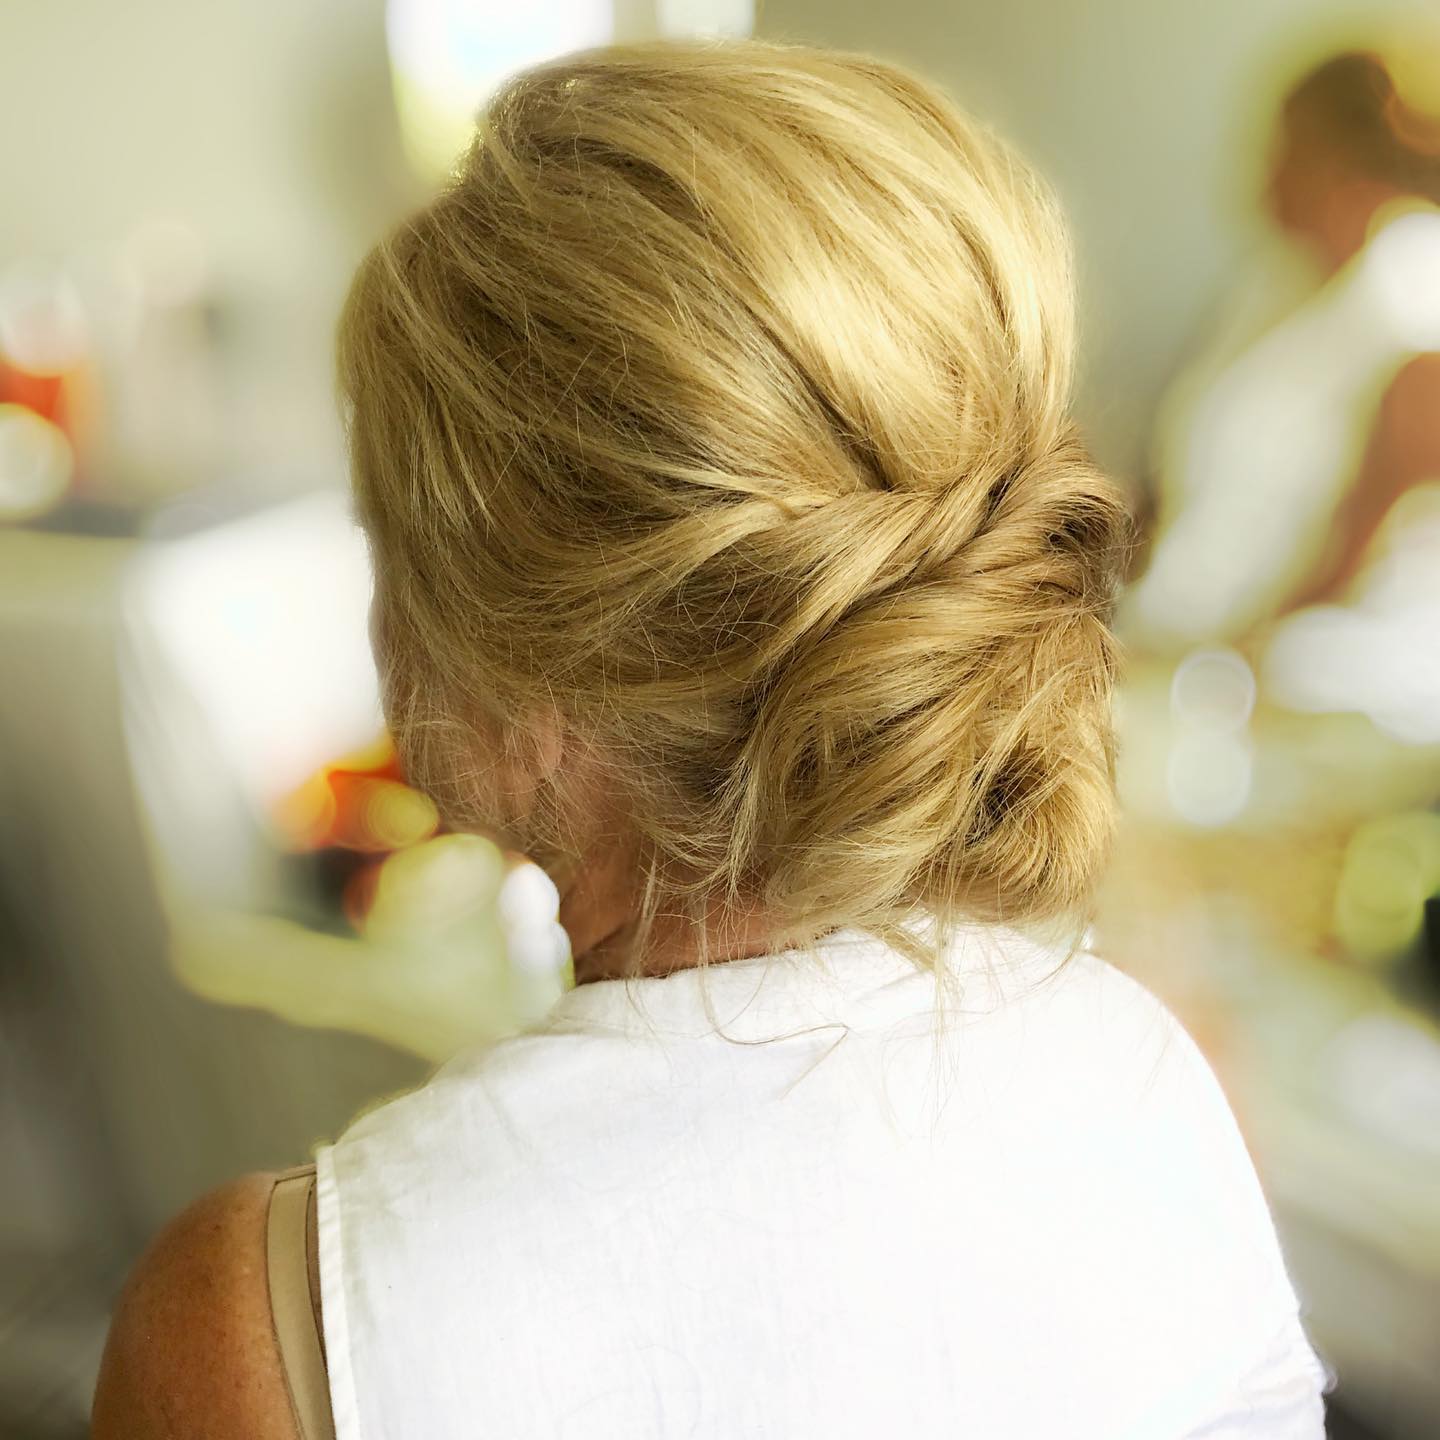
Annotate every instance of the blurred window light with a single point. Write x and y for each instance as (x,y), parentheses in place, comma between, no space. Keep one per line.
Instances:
(36,463)
(258,628)
(706,17)
(448,56)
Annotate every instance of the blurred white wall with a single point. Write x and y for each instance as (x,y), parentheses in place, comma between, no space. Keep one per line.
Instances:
(264,127)
(268,129)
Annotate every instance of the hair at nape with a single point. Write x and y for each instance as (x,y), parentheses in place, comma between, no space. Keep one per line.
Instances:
(717,413)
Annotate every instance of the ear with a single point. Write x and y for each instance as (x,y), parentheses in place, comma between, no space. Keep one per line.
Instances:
(528,752)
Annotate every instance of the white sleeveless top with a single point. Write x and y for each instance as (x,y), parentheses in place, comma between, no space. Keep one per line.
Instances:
(1041,1223)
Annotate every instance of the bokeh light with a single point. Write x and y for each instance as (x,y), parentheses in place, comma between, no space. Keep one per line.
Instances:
(36,463)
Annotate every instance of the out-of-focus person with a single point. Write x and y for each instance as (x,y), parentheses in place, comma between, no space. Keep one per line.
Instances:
(1286,446)
(1284,679)
(1280,722)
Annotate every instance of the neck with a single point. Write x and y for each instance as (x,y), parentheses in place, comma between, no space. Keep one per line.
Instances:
(672,947)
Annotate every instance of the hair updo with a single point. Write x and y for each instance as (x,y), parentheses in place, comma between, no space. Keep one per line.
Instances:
(718,412)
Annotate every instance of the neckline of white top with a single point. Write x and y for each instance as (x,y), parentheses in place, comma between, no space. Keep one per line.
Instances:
(851,978)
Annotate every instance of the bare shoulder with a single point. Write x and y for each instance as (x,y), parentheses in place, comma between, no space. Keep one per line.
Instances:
(1407,417)
(191,1350)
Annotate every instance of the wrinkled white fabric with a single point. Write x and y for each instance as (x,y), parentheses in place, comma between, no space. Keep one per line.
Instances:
(1038,1222)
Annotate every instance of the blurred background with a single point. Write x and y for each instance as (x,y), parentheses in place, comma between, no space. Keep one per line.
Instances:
(226,924)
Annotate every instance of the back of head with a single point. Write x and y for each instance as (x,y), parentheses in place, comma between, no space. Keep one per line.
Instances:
(1349,108)
(718,414)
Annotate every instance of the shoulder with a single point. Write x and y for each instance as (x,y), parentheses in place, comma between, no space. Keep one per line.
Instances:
(1144,1048)
(1171,1098)
(1134,1062)
(1104,1008)
(191,1351)
(1174,1188)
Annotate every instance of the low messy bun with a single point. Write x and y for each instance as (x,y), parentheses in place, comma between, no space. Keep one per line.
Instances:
(718,411)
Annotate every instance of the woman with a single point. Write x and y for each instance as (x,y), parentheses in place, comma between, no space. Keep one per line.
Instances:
(1287,445)
(737,560)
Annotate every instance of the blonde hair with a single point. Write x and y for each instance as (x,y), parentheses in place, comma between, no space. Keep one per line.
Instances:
(717,411)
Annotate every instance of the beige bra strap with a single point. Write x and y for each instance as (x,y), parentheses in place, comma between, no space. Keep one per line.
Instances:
(294,1301)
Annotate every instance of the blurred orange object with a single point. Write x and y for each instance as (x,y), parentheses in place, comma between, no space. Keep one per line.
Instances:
(359,802)
(44,394)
